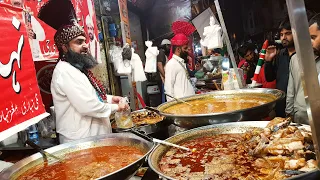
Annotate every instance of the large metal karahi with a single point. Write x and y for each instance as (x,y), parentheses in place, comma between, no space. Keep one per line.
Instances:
(125,139)
(226,128)
(249,114)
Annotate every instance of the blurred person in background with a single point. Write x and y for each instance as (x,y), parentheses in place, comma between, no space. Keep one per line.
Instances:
(277,63)
(162,59)
(249,61)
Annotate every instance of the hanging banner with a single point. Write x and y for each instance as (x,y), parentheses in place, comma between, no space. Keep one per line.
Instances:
(41,36)
(125,27)
(87,18)
(21,104)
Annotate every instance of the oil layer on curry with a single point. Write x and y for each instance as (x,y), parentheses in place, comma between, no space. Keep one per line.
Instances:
(218,104)
(277,152)
(86,164)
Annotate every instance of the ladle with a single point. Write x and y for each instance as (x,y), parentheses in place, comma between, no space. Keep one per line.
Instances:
(148,138)
(179,100)
(42,152)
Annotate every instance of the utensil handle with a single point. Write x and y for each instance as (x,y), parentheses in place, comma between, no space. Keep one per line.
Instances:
(170,144)
(33,145)
(170,96)
(179,100)
(142,135)
(42,152)
(152,109)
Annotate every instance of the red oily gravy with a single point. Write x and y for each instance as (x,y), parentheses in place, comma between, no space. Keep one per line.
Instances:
(86,164)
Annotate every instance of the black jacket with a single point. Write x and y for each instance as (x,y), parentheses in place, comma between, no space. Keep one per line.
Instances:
(278,70)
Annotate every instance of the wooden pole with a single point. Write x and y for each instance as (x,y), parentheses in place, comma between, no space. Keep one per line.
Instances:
(125,29)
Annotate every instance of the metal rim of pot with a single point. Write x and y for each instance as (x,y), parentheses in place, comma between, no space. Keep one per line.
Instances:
(22,166)
(154,156)
(278,94)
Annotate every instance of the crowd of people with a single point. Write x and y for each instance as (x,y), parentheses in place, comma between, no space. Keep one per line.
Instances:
(83,108)
(282,69)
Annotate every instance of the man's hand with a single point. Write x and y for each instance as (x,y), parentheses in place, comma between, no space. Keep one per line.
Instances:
(116,99)
(123,107)
(271,53)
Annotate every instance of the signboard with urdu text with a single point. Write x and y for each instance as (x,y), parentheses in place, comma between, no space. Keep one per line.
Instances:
(21,104)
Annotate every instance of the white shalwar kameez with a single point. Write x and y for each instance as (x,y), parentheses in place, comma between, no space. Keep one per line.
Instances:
(79,112)
(176,81)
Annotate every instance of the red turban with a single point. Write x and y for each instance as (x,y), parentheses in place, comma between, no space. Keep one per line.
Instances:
(182,31)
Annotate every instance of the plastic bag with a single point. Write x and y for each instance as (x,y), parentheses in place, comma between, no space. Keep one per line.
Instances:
(123,118)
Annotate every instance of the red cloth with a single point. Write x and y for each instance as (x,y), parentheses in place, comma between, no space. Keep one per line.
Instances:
(263,81)
(261,78)
(182,30)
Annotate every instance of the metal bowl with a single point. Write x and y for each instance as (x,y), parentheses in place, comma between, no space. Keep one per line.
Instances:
(249,114)
(125,139)
(227,128)
(257,85)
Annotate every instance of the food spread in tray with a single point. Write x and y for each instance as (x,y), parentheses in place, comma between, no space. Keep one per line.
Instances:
(218,104)
(86,164)
(146,117)
(277,152)
(143,118)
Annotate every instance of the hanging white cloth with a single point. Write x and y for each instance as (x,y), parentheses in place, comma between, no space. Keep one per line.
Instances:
(138,73)
(213,35)
(125,67)
(151,58)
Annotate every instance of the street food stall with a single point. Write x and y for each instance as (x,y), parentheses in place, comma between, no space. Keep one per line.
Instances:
(219,147)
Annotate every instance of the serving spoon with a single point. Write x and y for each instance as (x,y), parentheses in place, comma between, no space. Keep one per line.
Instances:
(173,145)
(148,138)
(179,100)
(152,109)
(41,151)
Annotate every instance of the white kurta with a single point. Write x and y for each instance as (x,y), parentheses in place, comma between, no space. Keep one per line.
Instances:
(176,81)
(79,113)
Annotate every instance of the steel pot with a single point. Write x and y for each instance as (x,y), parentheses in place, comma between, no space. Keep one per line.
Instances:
(226,128)
(249,114)
(125,139)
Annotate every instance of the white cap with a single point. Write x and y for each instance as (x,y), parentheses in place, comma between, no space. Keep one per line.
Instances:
(165,41)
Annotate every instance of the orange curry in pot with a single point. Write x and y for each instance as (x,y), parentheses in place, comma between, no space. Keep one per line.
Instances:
(217,104)
(85,164)
(276,152)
